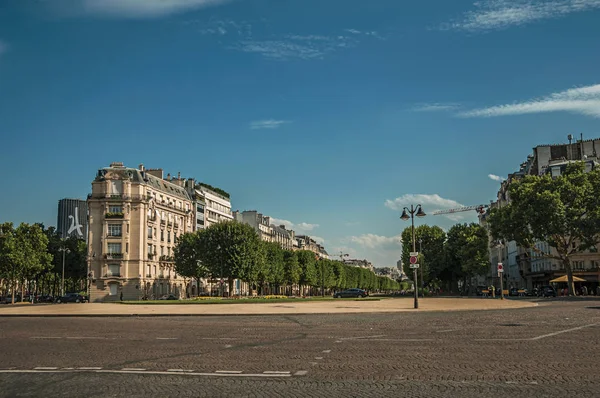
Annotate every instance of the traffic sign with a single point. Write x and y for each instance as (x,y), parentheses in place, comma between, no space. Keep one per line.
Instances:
(414,266)
(413,259)
(500,267)
(414,254)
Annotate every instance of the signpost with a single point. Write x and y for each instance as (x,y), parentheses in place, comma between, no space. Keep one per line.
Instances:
(500,272)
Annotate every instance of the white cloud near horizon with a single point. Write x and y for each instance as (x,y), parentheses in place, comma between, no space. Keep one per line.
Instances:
(372,241)
(500,14)
(436,107)
(302,227)
(581,100)
(496,178)
(142,8)
(268,124)
(430,203)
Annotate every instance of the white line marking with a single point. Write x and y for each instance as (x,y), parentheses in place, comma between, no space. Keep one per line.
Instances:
(44,337)
(301,373)
(45,368)
(275,372)
(563,331)
(180,370)
(85,338)
(133,369)
(326,351)
(89,368)
(362,337)
(228,346)
(166,338)
(229,371)
(318,357)
(67,368)
(502,339)
(446,331)
(155,373)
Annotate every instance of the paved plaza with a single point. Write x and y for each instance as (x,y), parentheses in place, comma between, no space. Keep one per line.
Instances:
(546,350)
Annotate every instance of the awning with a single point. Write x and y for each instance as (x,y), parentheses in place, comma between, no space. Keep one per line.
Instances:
(564,279)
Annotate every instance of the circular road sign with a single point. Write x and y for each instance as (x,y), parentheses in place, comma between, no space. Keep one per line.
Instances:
(413,259)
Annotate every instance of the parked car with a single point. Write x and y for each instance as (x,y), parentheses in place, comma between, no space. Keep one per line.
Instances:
(547,291)
(72,298)
(168,297)
(8,299)
(359,293)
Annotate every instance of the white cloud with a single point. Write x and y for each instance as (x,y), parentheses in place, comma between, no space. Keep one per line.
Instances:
(496,178)
(353,31)
(581,100)
(267,124)
(430,203)
(221,27)
(142,8)
(499,14)
(435,107)
(372,241)
(302,227)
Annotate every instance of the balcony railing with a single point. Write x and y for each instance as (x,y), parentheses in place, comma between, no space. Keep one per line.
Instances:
(113,256)
(114,235)
(114,215)
(120,197)
(151,256)
(148,275)
(166,258)
(112,274)
(151,218)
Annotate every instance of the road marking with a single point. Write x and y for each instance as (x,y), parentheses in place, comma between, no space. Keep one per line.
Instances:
(44,337)
(564,331)
(89,368)
(133,369)
(166,338)
(326,351)
(180,370)
(153,373)
(276,372)
(301,373)
(446,331)
(86,338)
(502,339)
(362,337)
(318,357)
(228,346)
(45,368)
(229,371)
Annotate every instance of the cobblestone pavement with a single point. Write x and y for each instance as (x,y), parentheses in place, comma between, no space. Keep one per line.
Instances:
(548,350)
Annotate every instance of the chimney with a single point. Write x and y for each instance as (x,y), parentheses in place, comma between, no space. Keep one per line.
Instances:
(168,176)
(141,167)
(282,226)
(179,175)
(156,173)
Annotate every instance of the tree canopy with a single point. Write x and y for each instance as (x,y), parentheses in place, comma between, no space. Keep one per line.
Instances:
(563,211)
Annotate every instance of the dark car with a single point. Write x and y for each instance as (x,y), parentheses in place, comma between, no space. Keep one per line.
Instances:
(351,293)
(72,298)
(547,291)
(168,297)
(513,291)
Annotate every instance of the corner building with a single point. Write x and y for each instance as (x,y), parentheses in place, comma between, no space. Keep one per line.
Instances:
(135,217)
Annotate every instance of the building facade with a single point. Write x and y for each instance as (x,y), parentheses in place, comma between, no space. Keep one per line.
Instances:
(72,218)
(135,217)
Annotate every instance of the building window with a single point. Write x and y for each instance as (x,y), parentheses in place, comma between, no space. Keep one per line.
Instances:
(127,228)
(113,287)
(114,248)
(162,235)
(114,270)
(150,250)
(126,247)
(115,209)
(149,232)
(114,229)
(169,237)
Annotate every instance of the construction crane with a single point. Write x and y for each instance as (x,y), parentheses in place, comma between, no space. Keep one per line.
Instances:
(481,209)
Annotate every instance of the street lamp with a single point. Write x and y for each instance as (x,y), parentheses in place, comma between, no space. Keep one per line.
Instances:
(500,245)
(422,279)
(62,284)
(405,216)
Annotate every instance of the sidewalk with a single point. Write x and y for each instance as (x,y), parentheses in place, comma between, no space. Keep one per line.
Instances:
(287,308)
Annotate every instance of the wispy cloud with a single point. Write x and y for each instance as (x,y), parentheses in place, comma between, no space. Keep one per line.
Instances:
(436,107)
(430,203)
(500,14)
(296,46)
(496,178)
(299,227)
(140,8)
(221,27)
(582,100)
(268,124)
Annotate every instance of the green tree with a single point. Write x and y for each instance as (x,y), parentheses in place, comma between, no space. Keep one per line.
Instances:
(563,211)
(307,261)
(467,251)
(292,268)
(273,271)
(231,250)
(187,258)
(431,257)
(9,256)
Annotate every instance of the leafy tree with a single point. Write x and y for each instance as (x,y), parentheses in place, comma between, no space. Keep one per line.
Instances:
(231,250)
(273,270)
(467,250)
(431,256)
(292,268)
(563,211)
(9,256)
(307,262)
(187,258)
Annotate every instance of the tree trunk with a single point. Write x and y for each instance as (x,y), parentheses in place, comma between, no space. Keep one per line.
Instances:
(570,283)
(230,283)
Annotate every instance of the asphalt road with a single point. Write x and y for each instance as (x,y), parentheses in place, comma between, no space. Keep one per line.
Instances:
(551,350)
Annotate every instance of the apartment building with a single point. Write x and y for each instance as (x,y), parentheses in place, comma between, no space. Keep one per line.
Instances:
(258,221)
(359,263)
(305,242)
(135,217)
(211,205)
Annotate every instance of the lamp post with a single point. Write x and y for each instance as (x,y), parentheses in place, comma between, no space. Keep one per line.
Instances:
(501,274)
(62,283)
(419,213)
(422,279)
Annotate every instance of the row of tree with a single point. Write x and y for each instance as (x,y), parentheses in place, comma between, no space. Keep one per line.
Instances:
(233,250)
(31,260)
(447,258)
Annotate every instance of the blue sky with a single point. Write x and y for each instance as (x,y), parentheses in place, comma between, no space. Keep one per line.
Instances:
(331,115)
